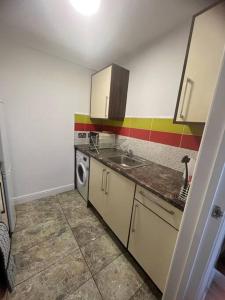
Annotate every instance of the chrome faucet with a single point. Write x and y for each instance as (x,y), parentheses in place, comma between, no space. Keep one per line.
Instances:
(130,153)
(95,146)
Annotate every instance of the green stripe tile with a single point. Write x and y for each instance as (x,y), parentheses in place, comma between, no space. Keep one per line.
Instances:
(166,125)
(140,123)
(195,129)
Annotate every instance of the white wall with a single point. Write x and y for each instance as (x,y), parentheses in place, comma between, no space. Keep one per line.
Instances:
(41,93)
(155,74)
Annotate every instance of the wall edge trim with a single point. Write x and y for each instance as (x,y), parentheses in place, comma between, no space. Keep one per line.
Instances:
(42,194)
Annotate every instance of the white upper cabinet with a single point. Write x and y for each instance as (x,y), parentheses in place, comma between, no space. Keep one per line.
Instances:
(109,93)
(100,91)
(202,65)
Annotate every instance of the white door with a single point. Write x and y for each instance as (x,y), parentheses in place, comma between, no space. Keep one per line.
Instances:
(100,91)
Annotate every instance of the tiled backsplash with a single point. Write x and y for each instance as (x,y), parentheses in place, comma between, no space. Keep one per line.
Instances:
(156,139)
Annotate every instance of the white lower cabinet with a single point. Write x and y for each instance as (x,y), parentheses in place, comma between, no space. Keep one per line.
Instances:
(119,201)
(154,222)
(152,242)
(112,195)
(96,186)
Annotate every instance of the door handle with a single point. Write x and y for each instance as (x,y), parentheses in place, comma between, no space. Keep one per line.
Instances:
(191,82)
(106,183)
(217,212)
(2,195)
(103,171)
(171,212)
(106,106)
(133,224)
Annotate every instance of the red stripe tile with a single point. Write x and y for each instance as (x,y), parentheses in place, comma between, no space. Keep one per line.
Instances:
(117,130)
(188,141)
(79,127)
(141,134)
(166,138)
(191,142)
(86,127)
(124,131)
(110,129)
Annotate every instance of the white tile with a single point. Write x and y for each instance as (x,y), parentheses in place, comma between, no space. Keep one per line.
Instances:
(165,155)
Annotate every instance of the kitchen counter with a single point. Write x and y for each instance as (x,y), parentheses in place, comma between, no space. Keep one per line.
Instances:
(160,180)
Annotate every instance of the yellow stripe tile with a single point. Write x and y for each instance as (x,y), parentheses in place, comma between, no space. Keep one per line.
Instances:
(157,124)
(195,129)
(83,119)
(140,123)
(115,123)
(127,122)
(166,125)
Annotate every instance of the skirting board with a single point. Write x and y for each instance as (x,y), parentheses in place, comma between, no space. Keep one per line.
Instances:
(43,194)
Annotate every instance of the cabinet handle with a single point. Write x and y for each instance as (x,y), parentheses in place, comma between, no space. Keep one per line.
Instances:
(191,82)
(103,171)
(106,106)
(134,217)
(106,183)
(3,205)
(171,212)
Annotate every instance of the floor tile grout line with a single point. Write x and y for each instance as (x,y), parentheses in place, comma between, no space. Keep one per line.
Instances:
(15,231)
(78,287)
(136,291)
(80,247)
(38,243)
(87,243)
(93,274)
(56,261)
(61,258)
(83,257)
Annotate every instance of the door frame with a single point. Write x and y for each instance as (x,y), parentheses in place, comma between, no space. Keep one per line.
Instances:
(190,269)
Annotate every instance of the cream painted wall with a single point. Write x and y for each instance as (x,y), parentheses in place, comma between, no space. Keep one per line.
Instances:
(42,93)
(155,74)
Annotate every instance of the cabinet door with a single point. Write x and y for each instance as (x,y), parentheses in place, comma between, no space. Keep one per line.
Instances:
(120,195)
(203,65)
(100,92)
(97,186)
(152,242)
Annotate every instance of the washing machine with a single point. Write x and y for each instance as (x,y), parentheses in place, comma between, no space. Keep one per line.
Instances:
(82,173)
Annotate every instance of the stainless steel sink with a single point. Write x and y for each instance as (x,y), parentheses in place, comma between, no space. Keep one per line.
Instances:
(128,162)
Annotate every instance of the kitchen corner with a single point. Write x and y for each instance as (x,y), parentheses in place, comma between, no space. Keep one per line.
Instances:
(160,180)
(133,199)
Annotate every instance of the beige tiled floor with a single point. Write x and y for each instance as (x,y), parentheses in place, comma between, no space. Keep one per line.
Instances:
(63,251)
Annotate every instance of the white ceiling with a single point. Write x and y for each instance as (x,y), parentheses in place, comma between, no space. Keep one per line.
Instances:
(118,29)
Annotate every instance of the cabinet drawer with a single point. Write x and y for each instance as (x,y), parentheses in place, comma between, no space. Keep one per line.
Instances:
(166,211)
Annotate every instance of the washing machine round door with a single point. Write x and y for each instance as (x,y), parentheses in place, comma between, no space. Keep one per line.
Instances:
(81,174)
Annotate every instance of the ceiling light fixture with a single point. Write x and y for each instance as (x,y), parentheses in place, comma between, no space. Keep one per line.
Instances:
(86,7)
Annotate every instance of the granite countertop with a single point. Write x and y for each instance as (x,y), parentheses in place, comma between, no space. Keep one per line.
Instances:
(160,180)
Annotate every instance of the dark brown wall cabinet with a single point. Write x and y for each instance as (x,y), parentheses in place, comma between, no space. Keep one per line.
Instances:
(109,93)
